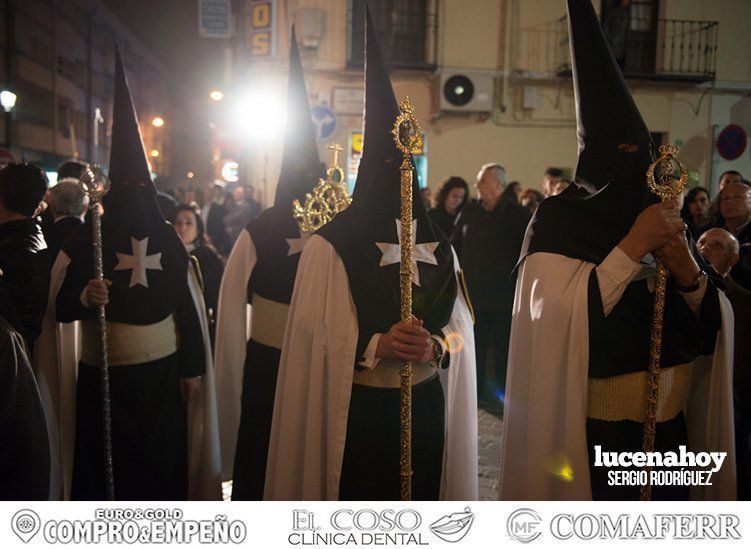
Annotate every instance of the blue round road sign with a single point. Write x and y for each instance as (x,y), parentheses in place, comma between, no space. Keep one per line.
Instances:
(324,121)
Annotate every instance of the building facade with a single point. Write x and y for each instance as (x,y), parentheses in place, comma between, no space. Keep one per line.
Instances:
(58,57)
(686,61)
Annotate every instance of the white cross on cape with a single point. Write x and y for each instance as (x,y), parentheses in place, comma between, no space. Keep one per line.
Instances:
(139,262)
(424,253)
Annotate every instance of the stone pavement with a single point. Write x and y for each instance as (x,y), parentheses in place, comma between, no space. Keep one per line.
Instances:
(489,448)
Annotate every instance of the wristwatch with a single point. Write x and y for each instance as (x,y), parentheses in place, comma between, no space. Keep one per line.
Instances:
(696,283)
(440,356)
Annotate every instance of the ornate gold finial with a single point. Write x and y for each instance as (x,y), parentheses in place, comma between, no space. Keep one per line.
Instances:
(667,186)
(329,197)
(406,130)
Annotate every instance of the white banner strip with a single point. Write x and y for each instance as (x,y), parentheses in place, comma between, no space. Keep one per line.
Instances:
(271,525)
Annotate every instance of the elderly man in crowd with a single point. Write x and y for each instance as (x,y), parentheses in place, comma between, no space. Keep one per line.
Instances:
(488,237)
(720,248)
(68,204)
(735,208)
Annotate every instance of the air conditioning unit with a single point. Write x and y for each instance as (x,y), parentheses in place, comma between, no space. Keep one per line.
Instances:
(468,91)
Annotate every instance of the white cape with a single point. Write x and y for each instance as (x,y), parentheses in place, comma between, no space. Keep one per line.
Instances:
(56,356)
(232,333)
(315,383)
(546,389)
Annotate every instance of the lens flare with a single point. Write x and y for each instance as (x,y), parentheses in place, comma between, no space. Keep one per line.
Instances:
(455,341)
(559,466)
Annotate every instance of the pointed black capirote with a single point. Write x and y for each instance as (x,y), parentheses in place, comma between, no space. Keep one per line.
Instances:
(607,116)
(373,215)
(609,189)
(129,173)
(300,164)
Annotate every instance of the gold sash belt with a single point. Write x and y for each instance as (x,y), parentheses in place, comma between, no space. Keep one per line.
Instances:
(624,397)
(386,374)
(129,343)
(268,321)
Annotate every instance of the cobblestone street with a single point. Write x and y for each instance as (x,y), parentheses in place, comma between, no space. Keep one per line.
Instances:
(489,449)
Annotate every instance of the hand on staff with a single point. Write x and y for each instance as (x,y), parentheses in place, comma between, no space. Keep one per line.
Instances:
(96,292)
(652,229)
(409,342)
(189,387)
(678,259)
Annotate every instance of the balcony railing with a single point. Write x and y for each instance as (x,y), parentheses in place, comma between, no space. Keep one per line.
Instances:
(665,49)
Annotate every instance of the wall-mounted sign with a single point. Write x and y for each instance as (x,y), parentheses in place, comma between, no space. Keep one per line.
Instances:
(354,153)
(349,100)
(731,142)
(262,28)
(324,121)
(215,18)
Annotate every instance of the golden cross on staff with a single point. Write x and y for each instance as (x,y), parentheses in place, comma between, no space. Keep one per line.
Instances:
(328,198)
(95,184)
(408,139)
(667,187)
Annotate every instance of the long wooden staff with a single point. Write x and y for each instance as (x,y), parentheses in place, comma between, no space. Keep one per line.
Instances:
(667,189)
(94,184)
(408,140)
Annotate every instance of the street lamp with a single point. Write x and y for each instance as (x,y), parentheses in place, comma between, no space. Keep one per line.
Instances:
(157,122)
(8,101)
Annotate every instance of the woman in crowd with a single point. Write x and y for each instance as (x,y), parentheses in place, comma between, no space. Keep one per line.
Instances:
(695,211)
(531,198)
(190,228)
(452,196)
(512,192)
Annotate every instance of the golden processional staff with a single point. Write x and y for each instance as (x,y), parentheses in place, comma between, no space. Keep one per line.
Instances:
(408,140)
(667,188)
(95,184)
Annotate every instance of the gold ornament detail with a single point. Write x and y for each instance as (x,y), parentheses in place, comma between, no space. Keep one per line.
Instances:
(328,198)
(408,139)
(667,187)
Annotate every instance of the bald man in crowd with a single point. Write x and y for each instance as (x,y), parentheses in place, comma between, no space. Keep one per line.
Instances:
(720,248)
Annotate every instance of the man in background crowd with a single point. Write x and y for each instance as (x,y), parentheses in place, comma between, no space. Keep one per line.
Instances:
(735,208)
(213,214)
(488,237)
(245,209)
(720,248)
(551,177)
(24,258)
(68,204)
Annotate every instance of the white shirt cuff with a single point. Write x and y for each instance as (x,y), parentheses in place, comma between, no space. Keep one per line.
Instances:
(694,299)
(615,272)
(368,359)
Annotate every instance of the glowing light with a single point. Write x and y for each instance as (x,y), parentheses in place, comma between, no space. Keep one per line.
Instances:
(216,95)
(8,100)
(455,341)
(230,170)
(500,396)
(260,114)
(190,175)
(154,153)
(560,467)
(157,122)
